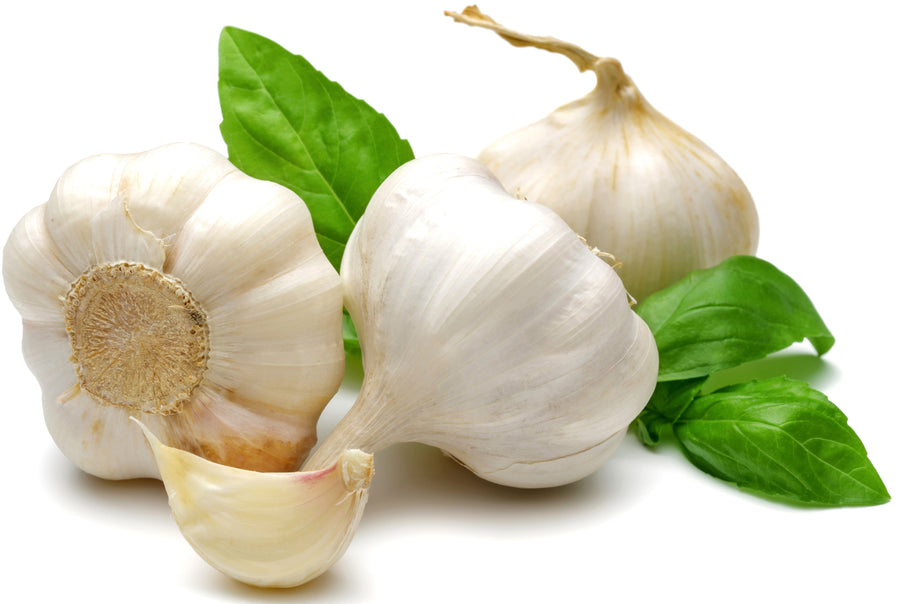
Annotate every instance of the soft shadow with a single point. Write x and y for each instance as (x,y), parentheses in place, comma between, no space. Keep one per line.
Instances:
(809,368)
(417,481)
(331,585)
(112,501)
(781,503)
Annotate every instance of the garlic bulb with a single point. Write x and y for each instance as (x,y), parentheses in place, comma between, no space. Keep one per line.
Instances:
(169,286)
(628,179)
(270,529)
(488,329)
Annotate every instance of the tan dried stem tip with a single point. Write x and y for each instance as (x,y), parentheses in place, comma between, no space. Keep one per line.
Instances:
(584,60)
(139,339)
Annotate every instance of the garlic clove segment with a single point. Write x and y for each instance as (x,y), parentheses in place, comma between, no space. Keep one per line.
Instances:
(269,529)
(169,286)
(488,329)
(624,176)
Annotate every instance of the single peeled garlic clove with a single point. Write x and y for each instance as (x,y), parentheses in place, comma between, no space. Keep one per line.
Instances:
(269,529)
(488,329)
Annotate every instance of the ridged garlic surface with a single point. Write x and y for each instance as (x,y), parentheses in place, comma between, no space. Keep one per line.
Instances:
(488,329)
(624,176)
(169,286)
(269,529)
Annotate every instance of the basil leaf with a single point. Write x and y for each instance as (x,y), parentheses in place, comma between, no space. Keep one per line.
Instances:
(285,122)
(666,405)
(718,318)
(780,438)
(351,339)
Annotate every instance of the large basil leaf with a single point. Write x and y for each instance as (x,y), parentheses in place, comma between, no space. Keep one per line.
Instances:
(285,122)
(721,317)
(780,438)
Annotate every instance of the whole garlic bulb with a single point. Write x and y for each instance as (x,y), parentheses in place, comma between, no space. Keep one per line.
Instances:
(624,176)
(488,329)
(171,287)
(269,529)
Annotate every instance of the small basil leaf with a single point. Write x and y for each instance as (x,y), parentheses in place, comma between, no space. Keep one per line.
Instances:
(351,339)
(285,122)
(782,439)
(721,317)
(666,405)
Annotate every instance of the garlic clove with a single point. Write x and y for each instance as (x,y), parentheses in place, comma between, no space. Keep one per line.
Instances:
(554,472)
(83,190)
(275,223)
(33,271)
(624,176)
(245,433)
(92,436)
(264,362)
(265,529)
(99,440)
(155,199)
(226,342)
(488,329)
(115,235)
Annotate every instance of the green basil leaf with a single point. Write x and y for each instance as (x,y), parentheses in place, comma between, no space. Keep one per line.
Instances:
(665,406)
(721,317)
(782,439)
(285,122)
(351,339)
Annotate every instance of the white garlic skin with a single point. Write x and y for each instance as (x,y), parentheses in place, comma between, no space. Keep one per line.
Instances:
(488,329)
(268,529)
(244,249)
(625,177)
(633,183)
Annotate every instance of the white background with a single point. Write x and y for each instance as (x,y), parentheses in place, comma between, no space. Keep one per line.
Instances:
(801,98)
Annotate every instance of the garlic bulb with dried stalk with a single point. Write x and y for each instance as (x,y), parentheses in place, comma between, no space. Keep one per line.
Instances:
(488,329)
(624,176)
(169,286)
(269,529)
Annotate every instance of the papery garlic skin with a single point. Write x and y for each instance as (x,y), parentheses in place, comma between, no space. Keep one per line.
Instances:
(624,176)
(269,529)
(488,329)
(169,286)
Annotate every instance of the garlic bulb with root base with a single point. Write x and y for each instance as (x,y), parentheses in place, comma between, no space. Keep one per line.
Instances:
(488,329)
(624,176)
(170,286)
(270,529)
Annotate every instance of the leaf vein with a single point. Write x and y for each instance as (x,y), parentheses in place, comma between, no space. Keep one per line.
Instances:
(739,425)
(299,139)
